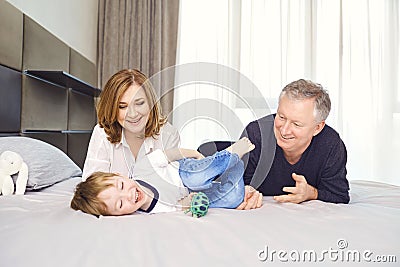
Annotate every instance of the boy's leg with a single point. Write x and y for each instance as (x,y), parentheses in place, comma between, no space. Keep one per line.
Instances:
(198,174)
(229,191)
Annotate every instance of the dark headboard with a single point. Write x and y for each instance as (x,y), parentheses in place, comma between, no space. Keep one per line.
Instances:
(47,88)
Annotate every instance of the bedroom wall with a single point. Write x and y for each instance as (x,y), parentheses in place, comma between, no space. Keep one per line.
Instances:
(73,21)
(57,108)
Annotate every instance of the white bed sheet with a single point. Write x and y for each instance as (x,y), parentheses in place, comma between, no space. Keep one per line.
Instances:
(39,229)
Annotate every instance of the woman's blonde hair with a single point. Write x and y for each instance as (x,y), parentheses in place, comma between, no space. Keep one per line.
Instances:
(108,105)
(86,194)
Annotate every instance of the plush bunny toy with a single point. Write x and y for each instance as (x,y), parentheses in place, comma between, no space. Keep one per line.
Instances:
(12,163)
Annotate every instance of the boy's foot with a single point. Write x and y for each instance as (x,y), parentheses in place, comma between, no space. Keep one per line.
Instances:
(241,147)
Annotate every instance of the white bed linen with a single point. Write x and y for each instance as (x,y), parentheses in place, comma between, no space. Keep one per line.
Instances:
(39,229)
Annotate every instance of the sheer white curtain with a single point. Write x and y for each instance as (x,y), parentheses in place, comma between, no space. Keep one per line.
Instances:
(350,47)
(369,85)
(209,31)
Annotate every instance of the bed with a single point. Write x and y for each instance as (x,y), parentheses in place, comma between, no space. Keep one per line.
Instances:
(39,228)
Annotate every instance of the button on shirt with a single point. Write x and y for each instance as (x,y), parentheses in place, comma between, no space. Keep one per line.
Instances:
(107,157)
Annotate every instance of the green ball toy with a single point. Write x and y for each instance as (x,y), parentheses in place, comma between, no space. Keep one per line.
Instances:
(199,205)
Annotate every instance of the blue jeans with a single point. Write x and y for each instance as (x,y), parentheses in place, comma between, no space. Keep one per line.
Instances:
(199,175)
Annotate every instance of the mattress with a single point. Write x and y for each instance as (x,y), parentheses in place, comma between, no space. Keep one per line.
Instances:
(39,229)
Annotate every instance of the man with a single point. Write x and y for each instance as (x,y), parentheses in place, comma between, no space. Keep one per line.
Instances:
(297,157)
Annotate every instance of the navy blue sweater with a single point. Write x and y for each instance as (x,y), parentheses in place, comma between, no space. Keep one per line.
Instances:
(323,163)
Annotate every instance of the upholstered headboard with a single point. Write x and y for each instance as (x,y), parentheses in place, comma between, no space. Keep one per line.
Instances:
(47,89)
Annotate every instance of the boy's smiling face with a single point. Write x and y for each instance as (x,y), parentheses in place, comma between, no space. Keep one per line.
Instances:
(125,196)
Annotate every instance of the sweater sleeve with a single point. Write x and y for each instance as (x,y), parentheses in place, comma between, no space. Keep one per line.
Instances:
(333,186)
(259,161)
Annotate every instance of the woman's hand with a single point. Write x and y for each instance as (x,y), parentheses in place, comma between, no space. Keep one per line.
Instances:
(190,153)
(174,154)
(252,199)
(197,155)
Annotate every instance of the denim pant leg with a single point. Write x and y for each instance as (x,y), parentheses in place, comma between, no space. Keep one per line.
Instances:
(229,191)
(198,174)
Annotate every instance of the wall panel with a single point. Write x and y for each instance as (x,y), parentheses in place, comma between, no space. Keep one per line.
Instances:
(46,87)
(44,106)
(82,68)
(42,50)
(77,146)
(11,35)
(81,111)
(10,100)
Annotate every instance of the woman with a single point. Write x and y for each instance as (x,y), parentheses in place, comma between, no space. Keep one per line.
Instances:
(130,125)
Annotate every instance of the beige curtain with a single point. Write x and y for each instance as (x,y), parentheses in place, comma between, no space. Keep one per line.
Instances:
(139,34)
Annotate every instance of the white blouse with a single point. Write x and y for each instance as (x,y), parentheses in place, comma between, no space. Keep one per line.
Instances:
(107,157)
(155,170)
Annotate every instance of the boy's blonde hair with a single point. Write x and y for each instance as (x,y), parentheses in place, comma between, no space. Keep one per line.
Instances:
(86,194)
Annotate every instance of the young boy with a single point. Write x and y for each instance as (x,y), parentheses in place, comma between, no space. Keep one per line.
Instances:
(163,181)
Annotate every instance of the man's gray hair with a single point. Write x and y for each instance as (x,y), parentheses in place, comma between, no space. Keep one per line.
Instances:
(305,89)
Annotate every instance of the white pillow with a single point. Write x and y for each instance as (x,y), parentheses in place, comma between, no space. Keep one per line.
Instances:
(47,164)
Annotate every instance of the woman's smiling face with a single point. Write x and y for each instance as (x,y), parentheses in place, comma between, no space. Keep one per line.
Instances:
(134,110)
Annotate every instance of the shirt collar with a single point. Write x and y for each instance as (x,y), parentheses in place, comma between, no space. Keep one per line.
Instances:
(148,143)
(123,140)
(155,197)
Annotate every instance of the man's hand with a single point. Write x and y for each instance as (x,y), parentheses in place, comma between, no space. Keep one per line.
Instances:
(301,192)
(252,199)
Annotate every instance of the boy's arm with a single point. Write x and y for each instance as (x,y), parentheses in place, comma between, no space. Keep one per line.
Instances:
(175,154)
